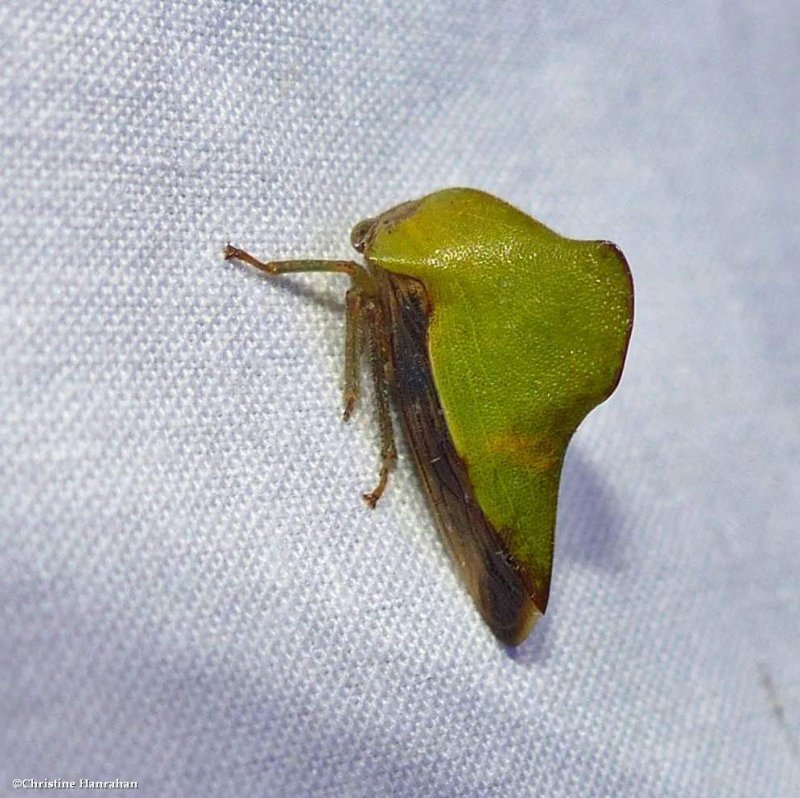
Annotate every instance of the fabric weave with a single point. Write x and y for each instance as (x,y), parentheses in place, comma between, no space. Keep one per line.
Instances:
(192,593)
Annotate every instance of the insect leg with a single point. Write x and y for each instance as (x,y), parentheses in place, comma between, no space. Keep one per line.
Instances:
(353,317)
(379,357)
(352,349)
(274,267)
(363,319)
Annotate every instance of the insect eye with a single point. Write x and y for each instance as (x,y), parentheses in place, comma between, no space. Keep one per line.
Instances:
(358,238)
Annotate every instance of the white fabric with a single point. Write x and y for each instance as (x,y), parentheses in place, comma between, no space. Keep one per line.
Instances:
(192,593)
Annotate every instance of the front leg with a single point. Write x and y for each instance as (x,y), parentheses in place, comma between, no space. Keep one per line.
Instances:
(354,320)
(364,324)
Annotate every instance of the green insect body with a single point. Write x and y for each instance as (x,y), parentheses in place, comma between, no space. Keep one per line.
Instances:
(496,337)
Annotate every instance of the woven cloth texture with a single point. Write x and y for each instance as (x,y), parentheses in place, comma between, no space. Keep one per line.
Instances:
(193,594)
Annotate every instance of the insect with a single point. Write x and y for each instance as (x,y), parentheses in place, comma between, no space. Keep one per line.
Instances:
(495,337)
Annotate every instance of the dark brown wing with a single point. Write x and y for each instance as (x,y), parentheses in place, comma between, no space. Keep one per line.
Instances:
(480,552)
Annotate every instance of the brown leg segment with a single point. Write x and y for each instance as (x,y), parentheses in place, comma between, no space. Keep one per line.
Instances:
(274,267)
(379,357)
(352,349)
(364,323)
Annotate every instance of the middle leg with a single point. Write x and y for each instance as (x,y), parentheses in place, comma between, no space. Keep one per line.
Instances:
(380,365)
